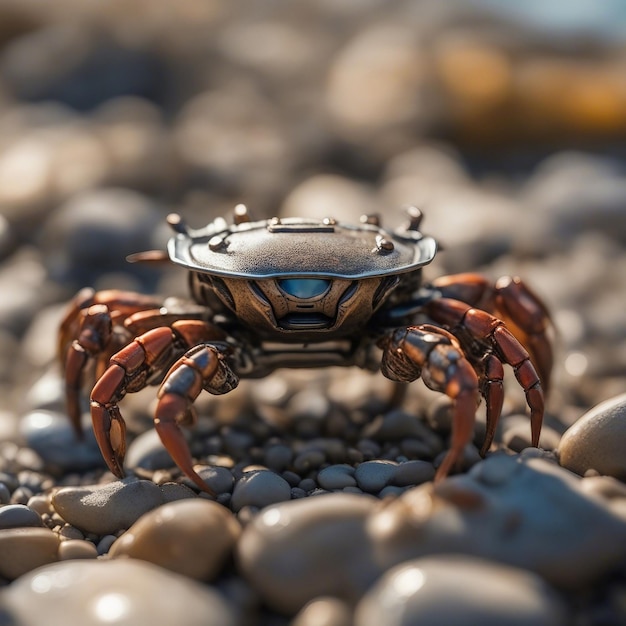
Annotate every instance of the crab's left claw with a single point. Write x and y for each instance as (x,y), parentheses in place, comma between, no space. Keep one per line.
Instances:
(434,354)
(202,367)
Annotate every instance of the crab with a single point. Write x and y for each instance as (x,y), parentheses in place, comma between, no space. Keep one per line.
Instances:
(302,293)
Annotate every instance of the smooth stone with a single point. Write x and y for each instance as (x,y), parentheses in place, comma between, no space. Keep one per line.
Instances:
(597,441)
(336,477)
(324,612)
(106,509)
(191,537)
(412,473)
(146,451)
(5,494)
(259,488)
(51,436)
(77,549)
(24,549)
(218,478)
(125,592)
(294,552)
(524,520)
(459,590)
(373,476)
(18,515)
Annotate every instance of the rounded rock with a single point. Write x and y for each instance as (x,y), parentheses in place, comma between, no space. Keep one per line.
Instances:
(77,549)
(190,537)
(336,477)
(24,549)
(597,440)
(373,476)
(412,473)
(260,488)
(459,590)
(105,509)
(124,592)
(324,612)
(18,515)
(290,551)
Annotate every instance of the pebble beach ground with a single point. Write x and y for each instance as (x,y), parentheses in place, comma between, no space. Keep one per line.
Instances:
(507,136)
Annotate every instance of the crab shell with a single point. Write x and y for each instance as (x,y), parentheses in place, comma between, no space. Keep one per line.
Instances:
(297,279)
(300,247)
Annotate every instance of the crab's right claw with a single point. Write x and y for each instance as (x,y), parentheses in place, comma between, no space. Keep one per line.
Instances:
(110,431)
(203,367)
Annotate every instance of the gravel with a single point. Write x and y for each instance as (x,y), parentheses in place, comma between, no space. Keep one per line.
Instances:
(325,510)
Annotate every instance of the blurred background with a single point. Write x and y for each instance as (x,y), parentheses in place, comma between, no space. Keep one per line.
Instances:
(505,122)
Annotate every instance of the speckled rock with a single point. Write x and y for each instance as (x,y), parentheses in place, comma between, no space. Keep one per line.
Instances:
(190,537)
(105,509)
(460,590)
(512,510)
(24,549)
(260,488)
(125,592)
(597,441)
(296,551)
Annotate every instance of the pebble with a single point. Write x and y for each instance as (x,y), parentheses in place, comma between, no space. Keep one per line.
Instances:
(373,476)
(290,552)
(218,478)
(147,452)
(523,519)
(597,440)
(324,611)
(105,509)
(51,436)
(336,477)
(77,549)
(18,515)
(24,549)
(190,537)
(259,488)
(460,590)
(412,473)
(121,591)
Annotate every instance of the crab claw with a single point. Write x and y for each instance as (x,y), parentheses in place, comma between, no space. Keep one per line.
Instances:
(110,431)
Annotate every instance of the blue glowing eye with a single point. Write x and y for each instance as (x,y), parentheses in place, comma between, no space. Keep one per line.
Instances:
(304,287)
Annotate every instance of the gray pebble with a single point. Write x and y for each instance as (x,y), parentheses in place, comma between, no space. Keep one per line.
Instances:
(297,492)
(372,476)
(307,484)
(309,460)
(146,451)
(122,590)
(336,477)
(277,457)
(260,488)
(294,552)
(412,473)
(460,590)
(218,478)
(175,491)
(70,532)
(104,545)
(50,434)
(104,509)
(18,515)
(5,494)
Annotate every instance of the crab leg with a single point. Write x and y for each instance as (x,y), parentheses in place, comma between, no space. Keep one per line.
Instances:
(511,300)
(434,355)
(202,367)
(476,325)
(129,370)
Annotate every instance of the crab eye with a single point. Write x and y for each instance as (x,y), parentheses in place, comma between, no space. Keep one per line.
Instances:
(304,287)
